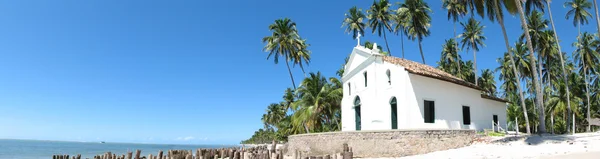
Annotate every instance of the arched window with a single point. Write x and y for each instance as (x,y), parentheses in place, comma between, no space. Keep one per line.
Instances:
(389,77)
(394,114)
(357,112)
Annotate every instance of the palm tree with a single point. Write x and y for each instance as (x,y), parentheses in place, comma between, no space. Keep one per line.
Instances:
(379,19)
(497,14)
(400,22)
(354,22)
(275,114)
(317,102)
(587,57)
(580,16)
(536,81)
(487,82)
(562,65)
(537,24)
(473,38)
(456,9)
(287,43)
(450,60)
(416,13)
(579,12)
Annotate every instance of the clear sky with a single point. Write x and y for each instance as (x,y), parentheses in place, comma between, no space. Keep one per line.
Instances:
(184,71)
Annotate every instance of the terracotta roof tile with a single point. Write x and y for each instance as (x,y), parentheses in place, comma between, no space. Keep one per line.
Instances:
(428,71)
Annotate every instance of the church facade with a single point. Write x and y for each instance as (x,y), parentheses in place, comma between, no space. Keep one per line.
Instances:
(385,93)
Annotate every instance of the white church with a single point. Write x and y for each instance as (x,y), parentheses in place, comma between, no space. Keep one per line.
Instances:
(384,93)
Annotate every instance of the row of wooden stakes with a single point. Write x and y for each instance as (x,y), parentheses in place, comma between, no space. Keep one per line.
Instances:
(259,152)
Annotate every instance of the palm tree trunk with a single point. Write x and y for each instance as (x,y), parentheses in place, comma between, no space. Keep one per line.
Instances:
(456,46)
(421,50)
(290,71)
(540,61)
(514,67)
(475,65)
(587,94)
(386,44)
(562,65)
(402,41)
(597,20)
(536,80)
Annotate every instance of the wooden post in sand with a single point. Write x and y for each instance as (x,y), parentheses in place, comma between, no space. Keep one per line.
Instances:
(129,155)
(160,154)
(137,154)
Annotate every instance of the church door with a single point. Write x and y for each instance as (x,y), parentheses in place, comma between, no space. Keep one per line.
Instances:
(357,113)
(394,110)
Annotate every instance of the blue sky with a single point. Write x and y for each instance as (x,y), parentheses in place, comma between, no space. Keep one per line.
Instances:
(189,72)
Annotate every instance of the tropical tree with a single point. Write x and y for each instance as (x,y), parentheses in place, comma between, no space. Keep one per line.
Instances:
(562,65)
(579,12)
(380,18)
(580,16)
(416,13)
(536,81)
(400,23)
(456,9)
(473,38)
(287,43)
(353,22)
(487,82)
(450,60)
(537,24)
(274,114)
(587,57)
(318,103)
(496,13)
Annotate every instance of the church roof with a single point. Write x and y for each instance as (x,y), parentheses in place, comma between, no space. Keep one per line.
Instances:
(428,71)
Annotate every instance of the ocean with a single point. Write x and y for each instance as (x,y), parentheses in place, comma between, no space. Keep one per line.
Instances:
(36,149)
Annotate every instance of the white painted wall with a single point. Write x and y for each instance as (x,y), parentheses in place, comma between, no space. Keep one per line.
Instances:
(410,91)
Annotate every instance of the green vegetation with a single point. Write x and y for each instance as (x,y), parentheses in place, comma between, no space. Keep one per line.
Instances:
(537,78)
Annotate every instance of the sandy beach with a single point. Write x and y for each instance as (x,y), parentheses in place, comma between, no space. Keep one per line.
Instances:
(580,146)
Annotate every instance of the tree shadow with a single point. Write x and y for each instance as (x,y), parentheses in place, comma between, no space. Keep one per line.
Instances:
(555,139)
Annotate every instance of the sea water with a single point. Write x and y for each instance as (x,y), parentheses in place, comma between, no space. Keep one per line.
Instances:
(36,149)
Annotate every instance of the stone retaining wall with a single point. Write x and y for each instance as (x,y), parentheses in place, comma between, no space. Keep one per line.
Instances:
(393,143)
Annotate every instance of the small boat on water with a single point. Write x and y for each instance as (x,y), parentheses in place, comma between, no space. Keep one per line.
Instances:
(102,142)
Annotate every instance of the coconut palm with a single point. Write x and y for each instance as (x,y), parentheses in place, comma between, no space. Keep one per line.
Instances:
(536,81)
(587,57)
(473,38)
(536,24)
(416,13)
(400,23)
(579,12)
(353,22)
(510,6)
(380,18)
(580,16)
(562,65)
(274,114)
(317,101)
(487,82)
(531,5)
(450,60)
(456,9)
(287,43)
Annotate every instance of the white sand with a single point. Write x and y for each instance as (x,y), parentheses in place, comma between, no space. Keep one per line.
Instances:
(561,146)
